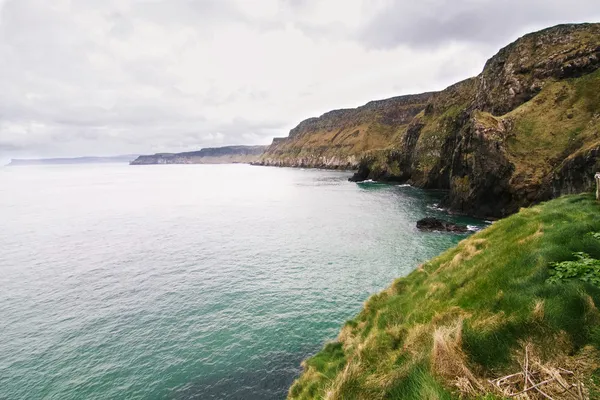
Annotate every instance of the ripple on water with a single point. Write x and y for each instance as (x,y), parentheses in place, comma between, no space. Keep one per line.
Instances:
(189,281)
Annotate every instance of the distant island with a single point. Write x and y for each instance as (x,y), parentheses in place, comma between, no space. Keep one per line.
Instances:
(73,160)
(209,155)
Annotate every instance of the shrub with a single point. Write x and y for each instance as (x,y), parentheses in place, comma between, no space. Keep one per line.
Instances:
(584,268)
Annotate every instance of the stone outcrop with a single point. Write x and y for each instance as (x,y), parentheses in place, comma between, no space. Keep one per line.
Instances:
(434,224)
(216,155)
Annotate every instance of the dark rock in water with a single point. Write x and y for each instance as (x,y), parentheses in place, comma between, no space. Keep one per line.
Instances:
(359,176)
(434,224)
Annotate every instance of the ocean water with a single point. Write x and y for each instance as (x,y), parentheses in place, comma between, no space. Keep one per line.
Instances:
(189,281)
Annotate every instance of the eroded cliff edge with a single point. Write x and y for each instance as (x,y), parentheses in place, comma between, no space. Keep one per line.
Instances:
(523,131)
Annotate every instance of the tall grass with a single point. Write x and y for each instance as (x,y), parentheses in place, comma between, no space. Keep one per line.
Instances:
(466,316)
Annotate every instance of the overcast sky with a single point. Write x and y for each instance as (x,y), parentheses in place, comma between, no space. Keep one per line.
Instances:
(104,77)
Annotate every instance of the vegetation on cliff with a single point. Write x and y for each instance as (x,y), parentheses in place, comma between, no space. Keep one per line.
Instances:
(517,296)
(339,138)
(525,130)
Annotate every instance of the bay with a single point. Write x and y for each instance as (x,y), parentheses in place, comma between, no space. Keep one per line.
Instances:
(190,281)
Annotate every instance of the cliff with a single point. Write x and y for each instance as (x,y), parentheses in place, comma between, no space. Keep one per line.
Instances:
(523,131)
(216,155)
(521,295)
(339,138)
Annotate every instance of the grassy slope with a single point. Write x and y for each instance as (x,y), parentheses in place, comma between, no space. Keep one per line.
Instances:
(362,130)
(559,121)
(465,316)
(350,140)
(353,139)
(539,134)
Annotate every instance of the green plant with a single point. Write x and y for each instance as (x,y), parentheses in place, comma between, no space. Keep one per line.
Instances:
(584,268)
(595,235)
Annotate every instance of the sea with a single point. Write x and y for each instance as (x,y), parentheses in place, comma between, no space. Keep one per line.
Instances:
(191,281)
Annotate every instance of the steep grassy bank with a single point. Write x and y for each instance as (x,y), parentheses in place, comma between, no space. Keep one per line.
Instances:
(468,316)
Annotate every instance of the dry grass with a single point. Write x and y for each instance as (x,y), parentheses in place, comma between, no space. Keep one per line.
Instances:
(538,310)
(548,379)
(468,249)
(535,235)
(450,362)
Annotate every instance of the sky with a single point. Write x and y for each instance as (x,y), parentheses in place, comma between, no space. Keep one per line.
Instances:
(108,77)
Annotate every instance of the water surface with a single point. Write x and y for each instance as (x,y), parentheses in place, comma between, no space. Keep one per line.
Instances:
(189,281)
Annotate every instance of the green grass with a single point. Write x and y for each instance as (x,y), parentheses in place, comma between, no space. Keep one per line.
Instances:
(466,315)
(558,122)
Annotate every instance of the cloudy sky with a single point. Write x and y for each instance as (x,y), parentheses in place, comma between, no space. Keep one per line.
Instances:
(103,77)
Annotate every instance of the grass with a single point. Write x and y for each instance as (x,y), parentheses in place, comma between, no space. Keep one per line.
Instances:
(556,123)
(347,134)
(467,315)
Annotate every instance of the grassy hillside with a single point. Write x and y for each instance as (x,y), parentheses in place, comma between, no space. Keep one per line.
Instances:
(480,311)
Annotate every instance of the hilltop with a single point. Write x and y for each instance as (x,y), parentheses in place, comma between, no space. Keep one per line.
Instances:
(523,131)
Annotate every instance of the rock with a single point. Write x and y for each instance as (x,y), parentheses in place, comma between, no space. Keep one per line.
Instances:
(435,224)
(468,141)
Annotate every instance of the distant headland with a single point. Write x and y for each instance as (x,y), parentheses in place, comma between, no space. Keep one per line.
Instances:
(209,155)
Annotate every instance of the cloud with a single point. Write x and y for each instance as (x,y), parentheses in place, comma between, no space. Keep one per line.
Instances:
(96,77)
(432,23)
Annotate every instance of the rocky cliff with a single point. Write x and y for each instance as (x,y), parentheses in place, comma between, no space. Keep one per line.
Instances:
(339,138)
(216,155)
(525,130)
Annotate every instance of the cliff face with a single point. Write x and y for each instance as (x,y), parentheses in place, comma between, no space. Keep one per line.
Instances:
(525,130)
(216,155)
(338,139)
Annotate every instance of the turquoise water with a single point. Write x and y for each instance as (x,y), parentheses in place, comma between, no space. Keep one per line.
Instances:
(189,281)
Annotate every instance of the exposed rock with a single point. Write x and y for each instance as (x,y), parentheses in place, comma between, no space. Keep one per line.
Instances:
(524,131)
(216,155)
(434,224)
(520,70)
